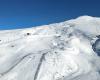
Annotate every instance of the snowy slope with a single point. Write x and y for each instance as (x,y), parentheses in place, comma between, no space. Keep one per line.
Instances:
(59,51)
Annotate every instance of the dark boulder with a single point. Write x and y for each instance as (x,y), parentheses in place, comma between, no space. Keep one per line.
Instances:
(96,47)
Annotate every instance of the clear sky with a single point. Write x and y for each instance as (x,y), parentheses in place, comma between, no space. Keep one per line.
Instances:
(28,13)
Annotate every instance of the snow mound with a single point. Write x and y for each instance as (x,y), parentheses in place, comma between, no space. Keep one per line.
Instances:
(59,51)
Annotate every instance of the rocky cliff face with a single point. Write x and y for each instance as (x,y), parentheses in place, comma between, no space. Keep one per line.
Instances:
(61,51)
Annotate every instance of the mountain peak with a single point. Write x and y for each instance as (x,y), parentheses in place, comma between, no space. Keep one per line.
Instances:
(59,51)
(85,17)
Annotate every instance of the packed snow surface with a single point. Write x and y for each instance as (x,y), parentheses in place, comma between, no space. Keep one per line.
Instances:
(68,50)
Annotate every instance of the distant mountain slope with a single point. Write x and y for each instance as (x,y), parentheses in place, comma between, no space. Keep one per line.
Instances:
(59,51)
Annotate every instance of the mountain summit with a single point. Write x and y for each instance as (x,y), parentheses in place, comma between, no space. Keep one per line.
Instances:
(68,50)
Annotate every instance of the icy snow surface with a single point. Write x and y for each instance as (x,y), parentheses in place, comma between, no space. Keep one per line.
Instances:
(61,51)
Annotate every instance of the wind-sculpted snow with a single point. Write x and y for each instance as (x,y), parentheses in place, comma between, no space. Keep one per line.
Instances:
(68,50)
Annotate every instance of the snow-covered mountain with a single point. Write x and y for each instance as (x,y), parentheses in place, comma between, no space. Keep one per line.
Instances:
(68,50)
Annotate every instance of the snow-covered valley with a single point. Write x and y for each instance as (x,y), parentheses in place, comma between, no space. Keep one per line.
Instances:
(68,50)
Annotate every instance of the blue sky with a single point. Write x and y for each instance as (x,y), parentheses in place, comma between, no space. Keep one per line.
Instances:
(27,13)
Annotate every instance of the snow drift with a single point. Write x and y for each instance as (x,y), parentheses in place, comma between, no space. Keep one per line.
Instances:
(61,51)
